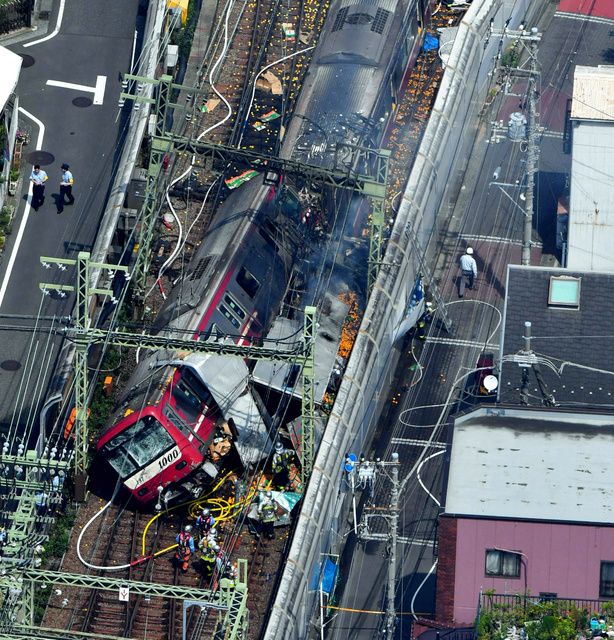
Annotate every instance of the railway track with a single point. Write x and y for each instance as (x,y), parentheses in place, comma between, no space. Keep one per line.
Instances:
(248,37)
(259,33)
(116,540)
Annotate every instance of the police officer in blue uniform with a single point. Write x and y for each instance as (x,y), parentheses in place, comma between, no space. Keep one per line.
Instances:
(66,184)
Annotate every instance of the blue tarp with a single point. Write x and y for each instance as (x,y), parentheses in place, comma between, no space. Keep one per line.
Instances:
(329,576)
(430,42)
(325,575)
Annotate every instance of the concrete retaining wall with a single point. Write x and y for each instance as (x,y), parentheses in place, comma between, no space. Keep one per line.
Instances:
(425,210)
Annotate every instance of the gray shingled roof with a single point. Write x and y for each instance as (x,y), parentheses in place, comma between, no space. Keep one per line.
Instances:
(541,464)
(583,336)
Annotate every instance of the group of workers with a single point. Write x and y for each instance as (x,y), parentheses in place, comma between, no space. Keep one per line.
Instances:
(206,532)
(203,534)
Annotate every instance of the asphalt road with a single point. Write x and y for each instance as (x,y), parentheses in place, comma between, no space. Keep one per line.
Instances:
(78,125)
(490,219)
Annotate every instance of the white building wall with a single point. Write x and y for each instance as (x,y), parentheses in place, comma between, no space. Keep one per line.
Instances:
(591,205)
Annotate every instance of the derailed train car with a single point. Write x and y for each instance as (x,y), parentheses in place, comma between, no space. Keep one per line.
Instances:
(176,407)
(162,434)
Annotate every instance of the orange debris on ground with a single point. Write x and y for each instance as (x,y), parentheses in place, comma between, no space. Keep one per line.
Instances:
(350,325)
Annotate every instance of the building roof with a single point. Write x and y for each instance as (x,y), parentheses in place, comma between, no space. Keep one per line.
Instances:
(532,464)
(10,63)
(574,341)
(591,205)
(593,93)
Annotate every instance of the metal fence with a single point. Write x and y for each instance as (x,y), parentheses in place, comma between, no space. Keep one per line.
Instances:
(15,14)
(502,602)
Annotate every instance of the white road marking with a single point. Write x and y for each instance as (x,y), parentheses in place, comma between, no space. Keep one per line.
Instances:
(418,443)
(582,17)
(549,133)
(495,239)
(98,90)
(136,35)
(462,343)
(101,83)
(55,32)
(384,537)
(26,211)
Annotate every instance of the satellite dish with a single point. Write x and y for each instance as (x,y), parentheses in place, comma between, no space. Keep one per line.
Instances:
(490,383)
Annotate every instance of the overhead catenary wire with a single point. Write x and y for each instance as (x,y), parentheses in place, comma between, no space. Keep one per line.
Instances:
(266,68)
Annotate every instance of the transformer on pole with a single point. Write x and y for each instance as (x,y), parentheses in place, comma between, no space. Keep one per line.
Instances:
(367,472)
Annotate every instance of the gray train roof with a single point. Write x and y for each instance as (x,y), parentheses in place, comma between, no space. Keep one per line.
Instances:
(356,32)
(328,335)
(221,237)
(345,78)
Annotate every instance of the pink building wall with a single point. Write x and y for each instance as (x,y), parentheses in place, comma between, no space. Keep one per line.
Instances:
(559,558)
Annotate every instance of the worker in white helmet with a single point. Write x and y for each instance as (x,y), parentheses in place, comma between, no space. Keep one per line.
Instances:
(267,513)
(185,547)
(469,271)
(280,465)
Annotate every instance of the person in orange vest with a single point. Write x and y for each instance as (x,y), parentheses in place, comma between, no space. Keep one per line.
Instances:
(185,547)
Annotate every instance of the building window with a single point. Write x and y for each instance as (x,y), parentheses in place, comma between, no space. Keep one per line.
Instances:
(502,563)
(564,292)
(606,583)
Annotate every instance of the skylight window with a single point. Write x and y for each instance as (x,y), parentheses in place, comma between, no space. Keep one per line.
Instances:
(564,292)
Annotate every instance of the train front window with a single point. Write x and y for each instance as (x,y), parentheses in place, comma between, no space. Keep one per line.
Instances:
(137,446)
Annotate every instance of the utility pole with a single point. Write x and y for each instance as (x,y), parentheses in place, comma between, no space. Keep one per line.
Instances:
(526,360)
(366,472)
(532,148)
(391,614)
(82,322)
(530,72)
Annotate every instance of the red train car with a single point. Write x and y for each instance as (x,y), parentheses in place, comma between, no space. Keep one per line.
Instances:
(162,439)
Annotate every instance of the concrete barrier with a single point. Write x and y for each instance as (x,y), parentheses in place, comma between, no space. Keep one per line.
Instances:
(424,212)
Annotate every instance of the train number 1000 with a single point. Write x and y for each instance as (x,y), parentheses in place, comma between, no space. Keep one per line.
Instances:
(168,458)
